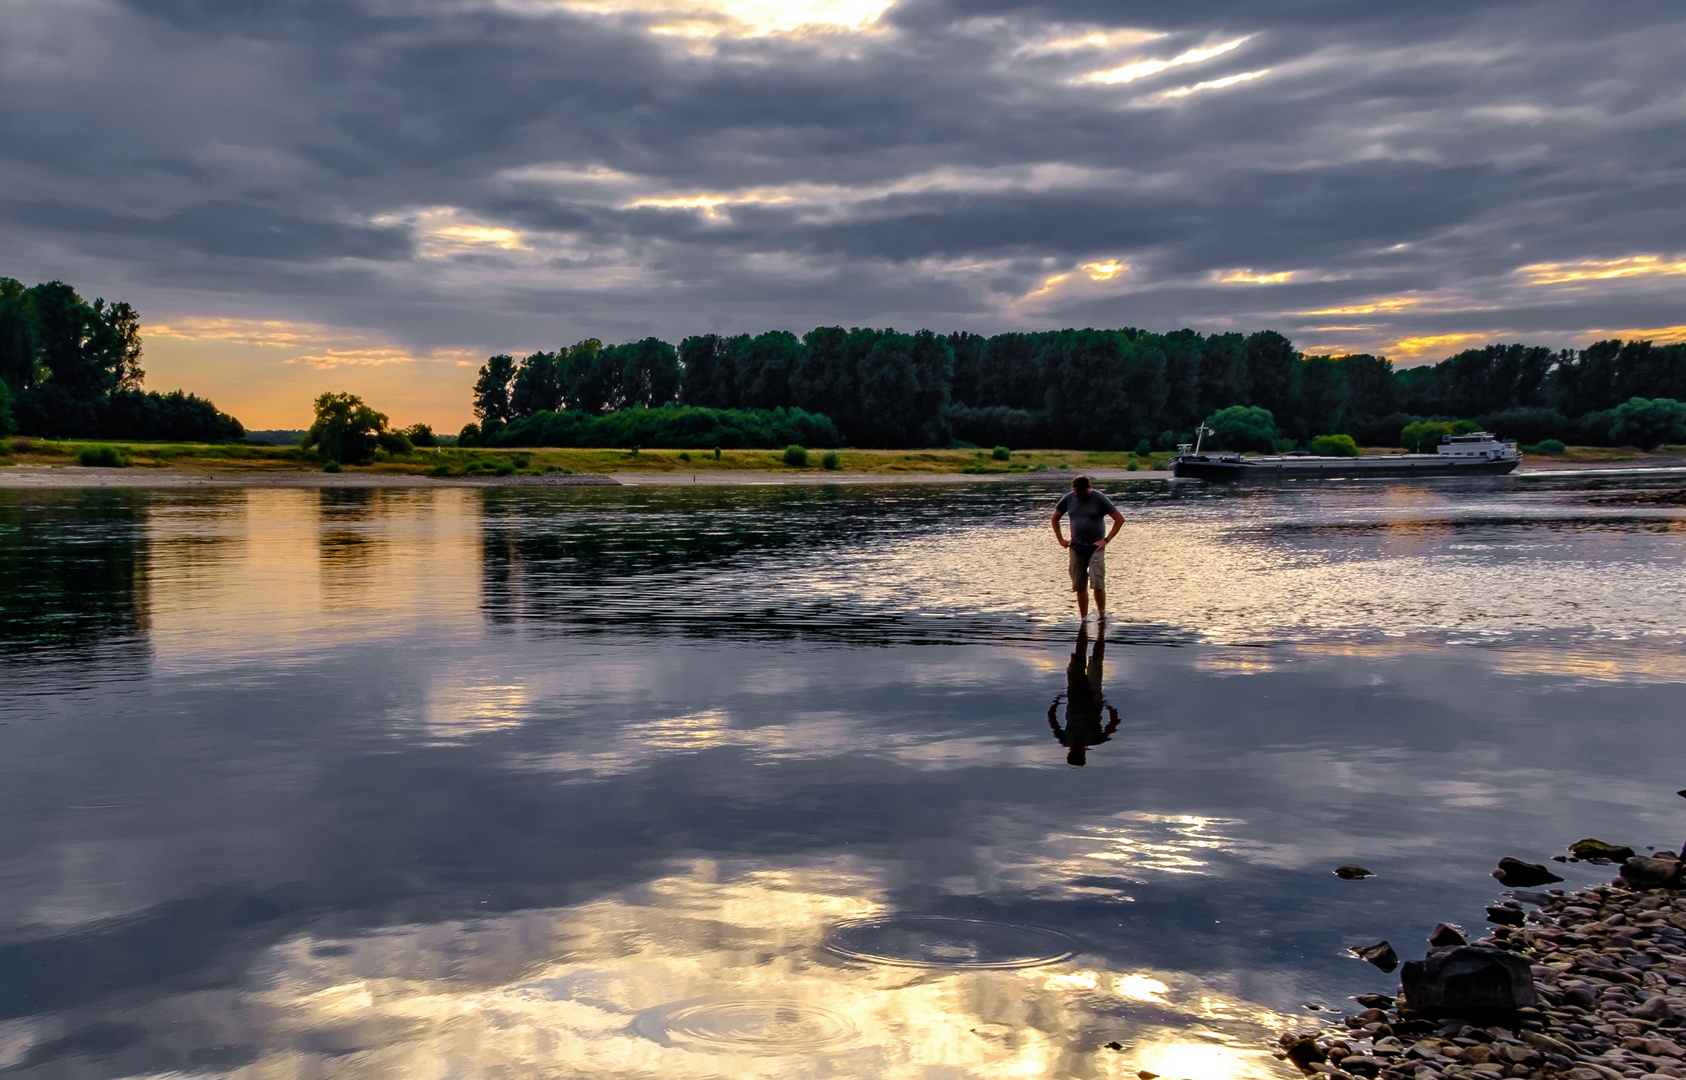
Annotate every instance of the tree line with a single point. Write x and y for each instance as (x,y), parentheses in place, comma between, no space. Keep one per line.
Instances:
(1127,389)
(71,369)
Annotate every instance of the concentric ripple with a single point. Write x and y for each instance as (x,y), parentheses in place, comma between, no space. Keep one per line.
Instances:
(942,941)
(769,1027)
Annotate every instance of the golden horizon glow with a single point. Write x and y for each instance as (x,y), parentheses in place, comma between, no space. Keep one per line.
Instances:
(1415,346)
(1141,69)
(1600,269)
(1656,333)
(1373,307)
(328,347)
(1105,271)
(1095,39)
(1249,277)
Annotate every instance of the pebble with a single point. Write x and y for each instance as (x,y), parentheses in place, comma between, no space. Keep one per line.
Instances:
(1609,964)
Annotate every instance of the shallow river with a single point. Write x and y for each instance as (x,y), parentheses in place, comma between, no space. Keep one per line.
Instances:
(792,782)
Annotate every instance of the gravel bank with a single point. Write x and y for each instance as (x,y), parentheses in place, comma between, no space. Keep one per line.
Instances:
(1609,970)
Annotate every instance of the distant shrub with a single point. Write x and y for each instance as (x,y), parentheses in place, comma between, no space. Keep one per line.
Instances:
(421,435)
(1144,447)
(1423,436)
(830,460)
(796,455)
(395,443)
(681,428)
(1134,466)
(1549,446)
(1244,427)
(684,456)
(22,446)
(332,466)
(521,461)
(441,470)
(1334,446)
(1001,453)
(104,457)
(506,469)
(469,435)
(716,453)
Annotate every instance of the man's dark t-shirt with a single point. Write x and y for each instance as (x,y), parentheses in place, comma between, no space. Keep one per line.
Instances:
(1088,515)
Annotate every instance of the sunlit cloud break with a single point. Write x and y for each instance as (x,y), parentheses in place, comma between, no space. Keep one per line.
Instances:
(1141,69)
(1600,269)
(1214,84)
(736,18)
(1250,277)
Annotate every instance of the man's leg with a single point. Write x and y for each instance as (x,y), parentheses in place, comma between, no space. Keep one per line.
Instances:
(1100,603)
(1082,604)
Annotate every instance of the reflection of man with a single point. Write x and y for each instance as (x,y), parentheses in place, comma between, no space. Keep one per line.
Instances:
(1083,702)
(1089,510)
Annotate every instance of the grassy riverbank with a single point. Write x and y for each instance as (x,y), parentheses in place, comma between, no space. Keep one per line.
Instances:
(453,461)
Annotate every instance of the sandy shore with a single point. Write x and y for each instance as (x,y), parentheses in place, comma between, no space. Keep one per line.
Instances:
(71,476)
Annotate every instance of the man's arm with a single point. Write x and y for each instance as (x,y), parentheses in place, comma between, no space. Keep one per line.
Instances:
(1061,536)
(1117,523)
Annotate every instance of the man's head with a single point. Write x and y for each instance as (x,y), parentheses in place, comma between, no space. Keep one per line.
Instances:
(1080,484)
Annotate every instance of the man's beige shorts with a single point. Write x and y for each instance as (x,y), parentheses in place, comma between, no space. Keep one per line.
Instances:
(1091,574)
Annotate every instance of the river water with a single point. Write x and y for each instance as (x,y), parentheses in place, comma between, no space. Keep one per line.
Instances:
(792,782)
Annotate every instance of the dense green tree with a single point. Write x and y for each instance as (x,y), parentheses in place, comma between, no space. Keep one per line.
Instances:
(1369,385)
(968,353)
(591,379)
(1223,373)
(1010,372)
(1322,397)
(826,381)
(649,373)
(1243,427)
(7,424)
(537,386)
(762,368)
(492,388)
(1183,354)
(1270,371)
(345,429)
(904,390)
(18,367)
(707,372)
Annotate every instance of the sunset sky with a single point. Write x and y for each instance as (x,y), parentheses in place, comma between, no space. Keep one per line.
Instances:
(373,195)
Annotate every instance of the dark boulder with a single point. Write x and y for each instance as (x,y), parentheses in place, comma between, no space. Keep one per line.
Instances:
(1380,954)
(1516,874)
(1652,873)
(1352,872)
(1445,934)
(1468,980)
(1504,916)
(1598,849)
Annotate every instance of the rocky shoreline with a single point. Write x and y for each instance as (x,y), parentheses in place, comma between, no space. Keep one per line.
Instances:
(1589,985)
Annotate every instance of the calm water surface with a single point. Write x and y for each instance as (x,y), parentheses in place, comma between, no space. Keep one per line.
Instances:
(782,782)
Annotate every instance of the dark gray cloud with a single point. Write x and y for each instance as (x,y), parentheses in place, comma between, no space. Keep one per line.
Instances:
(513,173)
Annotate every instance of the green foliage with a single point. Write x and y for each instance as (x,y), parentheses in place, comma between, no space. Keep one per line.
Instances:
(421,435)
(105,457)
(1548,446)
(1133,466)
(717,453)
(796,456)
(684,456)
(679,428)
(332,466)
(469,435)
(505,469)
(1243,427)
(1001,453)
(345,429)
(830,461)
(395,443)
(492,388)
(1649,422)
(7,424)
(1423,436)
(1334,446)
(440,470)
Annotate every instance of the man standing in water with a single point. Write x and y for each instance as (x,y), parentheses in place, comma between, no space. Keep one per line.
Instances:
(1089,510)
(1083,702)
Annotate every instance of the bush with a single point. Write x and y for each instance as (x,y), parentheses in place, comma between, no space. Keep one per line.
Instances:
(716,453)
(332,466)
(469,435)
(105,457)
(796,456)
(441,470)
(684,456)
(506,469)
(1334,446)
(1549,446)
(1134,466)
(1525,425)
(1426,433)
(1649,422)
(6,423)
(998,424)
(522,460)
(830,460)
(421,435)
(50,410)
(682,428)
(395,443)
(1001,453)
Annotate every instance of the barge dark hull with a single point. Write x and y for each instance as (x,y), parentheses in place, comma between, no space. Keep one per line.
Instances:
(1334,469)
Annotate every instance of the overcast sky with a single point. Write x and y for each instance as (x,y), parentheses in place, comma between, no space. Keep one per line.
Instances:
(372,194)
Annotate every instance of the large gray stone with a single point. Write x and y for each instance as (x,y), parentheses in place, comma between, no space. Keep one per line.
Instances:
(1468,980)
